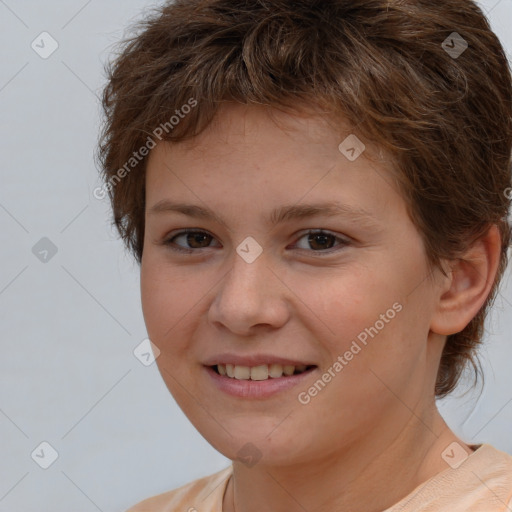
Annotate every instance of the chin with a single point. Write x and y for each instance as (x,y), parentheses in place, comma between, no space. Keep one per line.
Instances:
(252,444)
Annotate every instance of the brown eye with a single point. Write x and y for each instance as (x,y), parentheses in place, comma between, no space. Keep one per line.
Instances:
(321,241)
(193,239)
(196,240)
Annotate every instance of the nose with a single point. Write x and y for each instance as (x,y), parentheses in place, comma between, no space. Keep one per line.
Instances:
(250,297)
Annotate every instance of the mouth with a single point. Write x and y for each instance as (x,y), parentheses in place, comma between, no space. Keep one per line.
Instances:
(261,372)
(258,382)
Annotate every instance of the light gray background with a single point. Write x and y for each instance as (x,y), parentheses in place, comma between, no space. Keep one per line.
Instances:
(69,326)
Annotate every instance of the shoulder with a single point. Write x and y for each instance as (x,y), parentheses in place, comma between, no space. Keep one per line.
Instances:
(481,481)
(485,480)
(494,471)
(203,494)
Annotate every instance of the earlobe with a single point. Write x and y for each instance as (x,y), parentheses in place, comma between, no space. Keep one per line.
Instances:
(470,282)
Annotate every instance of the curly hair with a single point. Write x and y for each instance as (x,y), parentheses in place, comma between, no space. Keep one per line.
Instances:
(426,80)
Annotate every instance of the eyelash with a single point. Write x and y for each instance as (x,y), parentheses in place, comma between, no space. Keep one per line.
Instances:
(169,242)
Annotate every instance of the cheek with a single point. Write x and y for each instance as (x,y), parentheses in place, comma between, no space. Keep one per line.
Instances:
(166,297)
(367,315)
(167,301)
(344,303)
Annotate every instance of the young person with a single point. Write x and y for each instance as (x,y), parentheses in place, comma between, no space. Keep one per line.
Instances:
(316,193)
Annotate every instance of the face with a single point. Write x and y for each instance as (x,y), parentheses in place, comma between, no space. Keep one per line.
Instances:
(270,282)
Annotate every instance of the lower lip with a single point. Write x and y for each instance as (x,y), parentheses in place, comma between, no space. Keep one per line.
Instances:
(256,388)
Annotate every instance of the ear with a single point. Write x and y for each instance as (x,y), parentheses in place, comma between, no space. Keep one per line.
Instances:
(468,284)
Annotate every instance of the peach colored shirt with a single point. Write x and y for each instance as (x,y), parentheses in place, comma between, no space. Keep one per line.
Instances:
(481,483)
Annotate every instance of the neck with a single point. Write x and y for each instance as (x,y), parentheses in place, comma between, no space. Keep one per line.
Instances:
(370,474)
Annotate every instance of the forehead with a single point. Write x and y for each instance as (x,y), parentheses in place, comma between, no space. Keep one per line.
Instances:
(244,124)
(270,136)
(271,164)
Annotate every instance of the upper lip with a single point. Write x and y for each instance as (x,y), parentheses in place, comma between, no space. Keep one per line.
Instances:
(253,360)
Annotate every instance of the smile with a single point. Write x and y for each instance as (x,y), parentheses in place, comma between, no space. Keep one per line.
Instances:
(260,372)
(257,382)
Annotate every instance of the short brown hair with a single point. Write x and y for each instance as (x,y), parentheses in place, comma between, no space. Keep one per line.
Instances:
(383,65)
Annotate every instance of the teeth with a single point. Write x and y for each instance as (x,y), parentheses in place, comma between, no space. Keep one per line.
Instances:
(275,370)
(259,372)
(262,372)
(242,372)
(288,369)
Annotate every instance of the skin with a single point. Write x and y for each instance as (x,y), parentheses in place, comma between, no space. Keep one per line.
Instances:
(373,433)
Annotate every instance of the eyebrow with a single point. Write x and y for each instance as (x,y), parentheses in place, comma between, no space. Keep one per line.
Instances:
(278,215)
